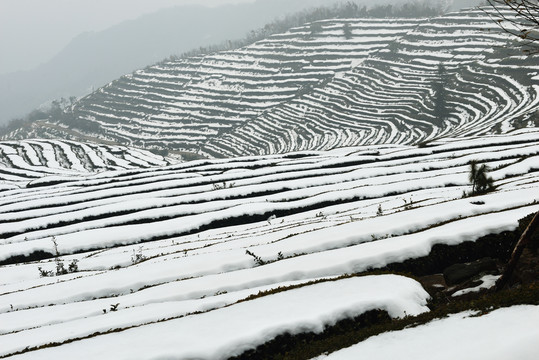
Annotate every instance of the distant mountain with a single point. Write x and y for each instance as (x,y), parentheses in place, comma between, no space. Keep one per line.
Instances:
(327,84)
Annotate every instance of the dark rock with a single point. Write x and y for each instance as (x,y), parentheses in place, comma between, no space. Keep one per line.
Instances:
(433,283)
(523,223)
(458,273)
(496,246)
(472,283)
(527,269)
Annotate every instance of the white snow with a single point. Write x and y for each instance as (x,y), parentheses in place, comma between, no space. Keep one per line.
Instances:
(487,282)
(509,333)
(230,330)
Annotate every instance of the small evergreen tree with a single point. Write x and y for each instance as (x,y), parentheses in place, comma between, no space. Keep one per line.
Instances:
(347,31)
(472,176)
(481,182)
(440,95)
(315,28)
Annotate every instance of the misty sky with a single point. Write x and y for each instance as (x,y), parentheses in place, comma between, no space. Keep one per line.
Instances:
(33,31)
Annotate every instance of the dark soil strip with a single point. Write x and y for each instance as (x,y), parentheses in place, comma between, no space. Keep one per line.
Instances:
(348,332)
(496,246)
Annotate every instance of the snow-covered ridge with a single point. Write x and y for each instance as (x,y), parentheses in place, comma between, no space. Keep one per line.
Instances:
(213,335)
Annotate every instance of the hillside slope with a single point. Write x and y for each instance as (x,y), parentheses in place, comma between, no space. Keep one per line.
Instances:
(328,84)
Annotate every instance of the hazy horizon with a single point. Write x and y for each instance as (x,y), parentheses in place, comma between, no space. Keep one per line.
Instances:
(33,31)
(65,48)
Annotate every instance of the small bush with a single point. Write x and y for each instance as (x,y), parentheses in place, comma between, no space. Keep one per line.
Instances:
(113,307)
(60,267)
(137,256)
(45,273)
(408,205)
(257,259)
(73,266)
(224,185)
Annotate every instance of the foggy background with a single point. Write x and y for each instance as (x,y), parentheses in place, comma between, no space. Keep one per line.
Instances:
(32,31)
(62,48)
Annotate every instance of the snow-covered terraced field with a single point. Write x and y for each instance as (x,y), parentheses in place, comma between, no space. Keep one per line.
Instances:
(180,250)
(317,90)
(22,161)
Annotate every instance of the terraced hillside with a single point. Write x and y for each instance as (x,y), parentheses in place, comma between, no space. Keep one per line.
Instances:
(328,84)
(211,258)
(22,162)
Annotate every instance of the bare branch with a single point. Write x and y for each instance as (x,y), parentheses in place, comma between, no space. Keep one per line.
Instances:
(519,18)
